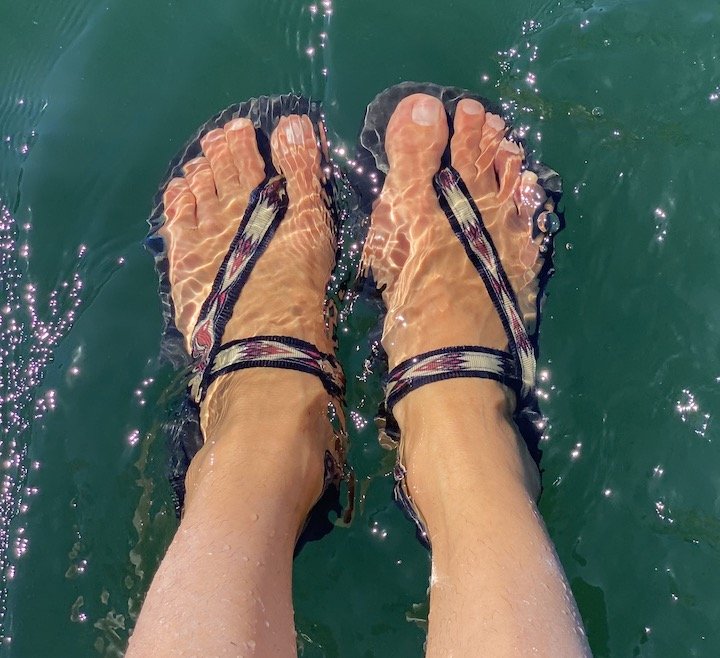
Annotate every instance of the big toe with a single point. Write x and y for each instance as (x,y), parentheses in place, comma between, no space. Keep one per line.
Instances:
(295,150)
(417,134)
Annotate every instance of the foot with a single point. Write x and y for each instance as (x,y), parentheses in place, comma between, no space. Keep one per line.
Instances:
(250,487)
(496,586)
(203,210)
(434,296)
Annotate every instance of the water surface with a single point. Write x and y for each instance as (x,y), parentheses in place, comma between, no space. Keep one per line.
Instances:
(621,97)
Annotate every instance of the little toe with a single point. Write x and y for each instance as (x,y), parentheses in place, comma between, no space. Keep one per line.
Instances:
(199,176)
(179,204)
(531,199)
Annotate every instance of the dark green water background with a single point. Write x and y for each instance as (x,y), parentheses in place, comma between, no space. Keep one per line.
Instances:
(96,98)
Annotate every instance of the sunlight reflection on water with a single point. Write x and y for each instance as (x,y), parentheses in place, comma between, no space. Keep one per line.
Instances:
(27,345)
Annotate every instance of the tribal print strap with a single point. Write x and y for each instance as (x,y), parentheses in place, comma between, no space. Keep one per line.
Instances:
(448,363)
(279,352)
(514,368)
(467,223)
(264,213)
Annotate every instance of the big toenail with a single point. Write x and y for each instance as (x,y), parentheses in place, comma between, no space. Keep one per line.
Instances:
(238,124)
(293,132)
(471,106)
(426,111)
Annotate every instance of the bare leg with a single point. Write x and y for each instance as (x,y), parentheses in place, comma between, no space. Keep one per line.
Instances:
(224,587)
(497,588)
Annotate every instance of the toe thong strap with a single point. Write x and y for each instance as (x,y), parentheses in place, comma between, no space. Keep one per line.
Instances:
(264,213)
(467,223)
(211,359)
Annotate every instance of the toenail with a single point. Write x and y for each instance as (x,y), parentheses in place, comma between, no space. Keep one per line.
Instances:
(471,106)
(213,136)
(238,124)
(290,134)
(495,122)
(294,132)
(511,147)
(426,111)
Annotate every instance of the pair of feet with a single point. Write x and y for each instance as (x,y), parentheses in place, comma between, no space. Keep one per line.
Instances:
(433,294)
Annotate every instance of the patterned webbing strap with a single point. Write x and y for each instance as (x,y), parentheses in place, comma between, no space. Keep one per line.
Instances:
(279,352)
(267,207)
(515,368)
(447,363)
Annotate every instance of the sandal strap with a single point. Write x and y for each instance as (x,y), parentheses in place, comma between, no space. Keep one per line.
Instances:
(271,352)
(514,368)
(449,363)
(266,209)
(467,223)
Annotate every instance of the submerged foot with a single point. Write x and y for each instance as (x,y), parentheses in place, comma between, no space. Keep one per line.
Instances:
(204,210)
(285,293)
(434,296)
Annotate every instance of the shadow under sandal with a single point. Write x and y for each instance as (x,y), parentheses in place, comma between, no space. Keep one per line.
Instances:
(211,358)
(514,368)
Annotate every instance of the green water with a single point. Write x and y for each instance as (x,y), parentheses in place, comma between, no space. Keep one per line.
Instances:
(96,98)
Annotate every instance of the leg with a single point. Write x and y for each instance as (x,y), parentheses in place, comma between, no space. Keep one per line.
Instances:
(224,587)
(497,588)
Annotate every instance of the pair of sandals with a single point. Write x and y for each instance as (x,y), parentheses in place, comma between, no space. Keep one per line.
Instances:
(211,358)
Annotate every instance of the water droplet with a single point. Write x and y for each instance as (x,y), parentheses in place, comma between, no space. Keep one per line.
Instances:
(548,223)
(597,112)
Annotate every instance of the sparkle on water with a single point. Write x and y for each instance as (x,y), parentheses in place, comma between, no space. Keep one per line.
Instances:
(29,334)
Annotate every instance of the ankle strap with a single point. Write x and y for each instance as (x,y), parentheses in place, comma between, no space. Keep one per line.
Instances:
(270,352)
(449,363)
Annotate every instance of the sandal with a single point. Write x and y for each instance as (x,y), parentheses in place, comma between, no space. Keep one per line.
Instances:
(514,368)
(211,358)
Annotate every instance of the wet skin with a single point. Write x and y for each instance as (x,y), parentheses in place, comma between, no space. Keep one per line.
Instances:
(497,587)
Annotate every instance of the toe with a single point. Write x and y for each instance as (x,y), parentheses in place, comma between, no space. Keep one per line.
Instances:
(416,135)
(465,144)
(492,135)
(241,141)
(529,197)
(476,137)
(199,176)
(179,203)
(508,164)
(225,173)
(294,147)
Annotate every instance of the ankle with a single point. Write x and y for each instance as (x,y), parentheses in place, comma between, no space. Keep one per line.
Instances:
(269,399)
(266,434)
(457,434)
(462,401)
